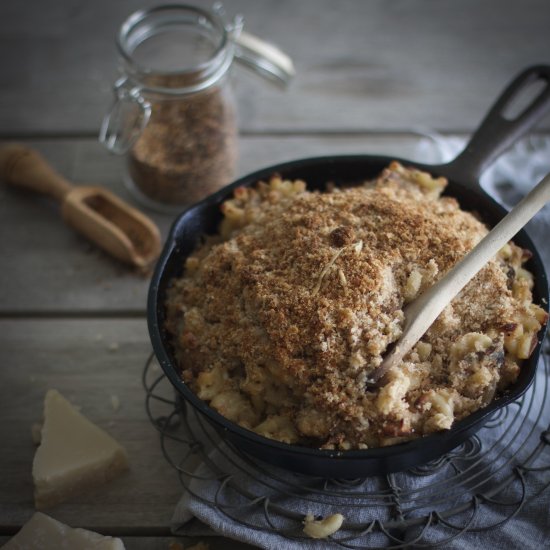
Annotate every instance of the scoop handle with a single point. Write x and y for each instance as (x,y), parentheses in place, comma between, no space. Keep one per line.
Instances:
(25,168)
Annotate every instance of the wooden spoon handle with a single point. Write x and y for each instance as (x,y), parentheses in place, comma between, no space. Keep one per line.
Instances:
(420,314)
(24,167)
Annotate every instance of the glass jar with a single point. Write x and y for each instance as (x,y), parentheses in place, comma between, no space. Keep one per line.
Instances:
(174,115)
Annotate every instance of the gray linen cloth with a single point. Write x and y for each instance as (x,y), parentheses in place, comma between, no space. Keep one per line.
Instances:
(245,514)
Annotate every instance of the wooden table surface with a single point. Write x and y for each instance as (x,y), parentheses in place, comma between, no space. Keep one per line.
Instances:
(371,75)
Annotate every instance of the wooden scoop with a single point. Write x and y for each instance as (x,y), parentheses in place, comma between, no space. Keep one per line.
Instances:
(422,312)
(96,213)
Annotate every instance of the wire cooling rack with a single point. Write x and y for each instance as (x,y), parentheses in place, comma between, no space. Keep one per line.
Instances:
(480,485)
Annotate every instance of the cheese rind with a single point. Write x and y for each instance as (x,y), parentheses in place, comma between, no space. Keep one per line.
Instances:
(74,454)
(42,532)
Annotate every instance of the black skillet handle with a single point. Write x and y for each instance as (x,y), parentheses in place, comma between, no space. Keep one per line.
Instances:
(497,133)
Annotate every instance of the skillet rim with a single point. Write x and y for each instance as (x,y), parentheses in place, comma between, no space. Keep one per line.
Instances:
(458,431)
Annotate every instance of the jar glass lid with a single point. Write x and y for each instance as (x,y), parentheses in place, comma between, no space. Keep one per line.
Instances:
(174,46)
(186,48)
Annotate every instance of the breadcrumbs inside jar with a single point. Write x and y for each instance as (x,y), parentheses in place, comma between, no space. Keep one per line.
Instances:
(188,149)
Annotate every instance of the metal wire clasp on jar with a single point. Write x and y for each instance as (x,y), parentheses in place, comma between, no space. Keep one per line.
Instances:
(174,115)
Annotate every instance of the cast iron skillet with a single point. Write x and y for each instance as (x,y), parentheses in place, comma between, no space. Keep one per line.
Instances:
(495,134)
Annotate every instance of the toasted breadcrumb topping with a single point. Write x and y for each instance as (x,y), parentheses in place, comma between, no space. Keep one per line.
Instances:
(279,321)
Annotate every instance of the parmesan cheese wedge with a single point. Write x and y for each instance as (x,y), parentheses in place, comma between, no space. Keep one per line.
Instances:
(74,454)
(42,532)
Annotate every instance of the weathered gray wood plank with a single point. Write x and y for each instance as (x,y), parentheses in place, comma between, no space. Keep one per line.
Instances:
(47,268)
(77,358)
(368,65)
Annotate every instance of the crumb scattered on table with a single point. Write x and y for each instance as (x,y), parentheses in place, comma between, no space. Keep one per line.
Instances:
(113,346)
(115,402)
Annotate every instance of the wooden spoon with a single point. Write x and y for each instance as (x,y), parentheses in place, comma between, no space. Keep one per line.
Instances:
(422,312)
(96,213)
